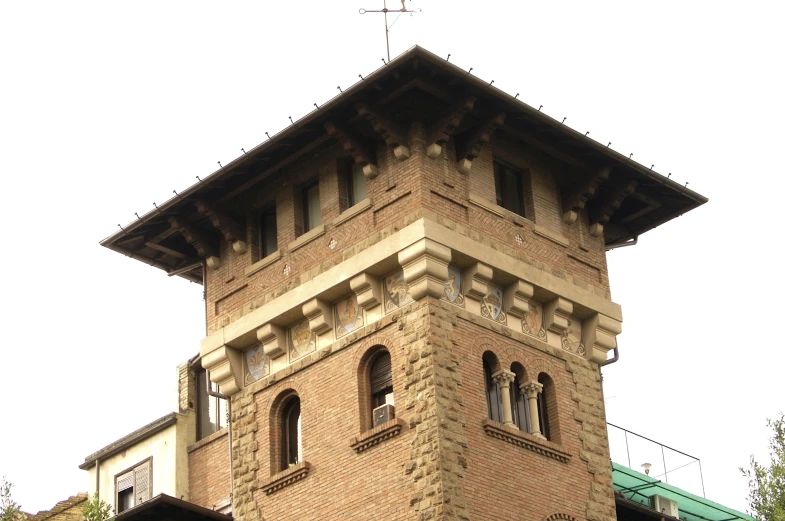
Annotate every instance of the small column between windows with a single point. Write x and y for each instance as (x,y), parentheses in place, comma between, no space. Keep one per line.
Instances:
(504,378)
(532,390)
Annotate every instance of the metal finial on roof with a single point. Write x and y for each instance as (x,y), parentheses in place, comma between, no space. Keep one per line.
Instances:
(118,224)
(651,167)
(470,70)
(448,57)
(219,164)
(669,175)
(630,155)
(539,108)
(290,119)
(339,88)
(491,83)
(563,120)
(199,178)
(137,216)
(587,133)
(317,106)
(244,152)
(156,206)
(609,144)
(361,77)
(384,61)
(685,184)
(268,135)
(517,94)
(388,27)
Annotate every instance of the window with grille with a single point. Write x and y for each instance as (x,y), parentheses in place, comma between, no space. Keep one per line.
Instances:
(134,486)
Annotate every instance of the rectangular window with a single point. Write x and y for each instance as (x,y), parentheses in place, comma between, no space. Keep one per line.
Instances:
(311,209)
(210,410)
(509,188)
(356,187)
(134,486)
(268,232)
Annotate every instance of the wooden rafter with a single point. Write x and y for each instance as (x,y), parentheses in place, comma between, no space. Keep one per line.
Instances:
(651,205)
(204,246)
(228,226)
(355,147)
(610,203)
(555,152)
(385,127)
(470,147)
(440,132)
(577,198)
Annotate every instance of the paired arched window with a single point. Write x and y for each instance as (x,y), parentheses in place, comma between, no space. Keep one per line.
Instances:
(291,433)
(492,390)
(520,404)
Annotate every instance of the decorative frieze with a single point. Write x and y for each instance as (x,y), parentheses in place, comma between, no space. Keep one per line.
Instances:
(424,266)
(396,292)
(599,336)
(452,288)
(348,316)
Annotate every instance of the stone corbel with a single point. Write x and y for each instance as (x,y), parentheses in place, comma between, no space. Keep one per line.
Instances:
(368,290)
(605,210)
(424,266)
(516,298)
(273,339)
(470,148)
(476,280)
(319,314)
(356,148)
(599,336)
(577,198)
(556,315)
(228,226)
(225,365)
(387,129)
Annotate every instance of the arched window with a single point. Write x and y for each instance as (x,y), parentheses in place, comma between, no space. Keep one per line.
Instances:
(381,389)
(546,405)
(492,390)
(291,435)
(520,404)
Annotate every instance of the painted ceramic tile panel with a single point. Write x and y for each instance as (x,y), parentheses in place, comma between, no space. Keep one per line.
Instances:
(396,292)
(301,340)
(257,365)
(571,339)
(491,305)
(452,289)
(532,322)
(348,316)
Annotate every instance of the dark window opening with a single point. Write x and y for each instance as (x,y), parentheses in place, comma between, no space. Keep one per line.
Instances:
(292,434)
(356,184)
(268,232)
(492,394)
(509,188)
(312,212)
(210,410)
(381,381)
(520,408)
(542,409)
(125,500)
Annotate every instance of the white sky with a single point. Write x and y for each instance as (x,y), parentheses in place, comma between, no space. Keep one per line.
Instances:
(106,107)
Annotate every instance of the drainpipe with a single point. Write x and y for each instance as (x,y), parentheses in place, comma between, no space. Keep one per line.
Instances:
(614,358)
(228,399)
(614,245)
(97,476)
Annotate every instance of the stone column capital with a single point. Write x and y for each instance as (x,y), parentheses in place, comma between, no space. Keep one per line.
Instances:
(531,388)
(503,377)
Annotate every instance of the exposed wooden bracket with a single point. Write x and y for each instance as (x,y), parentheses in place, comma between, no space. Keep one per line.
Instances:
(470,148)
(355,147)
(204,246)
(574,201)
(441,132)
(228,226)
(650,202)
(387,129)
(604,211)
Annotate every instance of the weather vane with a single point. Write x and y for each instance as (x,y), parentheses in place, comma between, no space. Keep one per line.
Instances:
(386,27)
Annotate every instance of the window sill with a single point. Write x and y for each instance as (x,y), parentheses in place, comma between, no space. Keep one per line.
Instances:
(351,212)
(305,238)
(561,240)
(259,265)
(286,477)
(487,205)
(525,440)
(378,434)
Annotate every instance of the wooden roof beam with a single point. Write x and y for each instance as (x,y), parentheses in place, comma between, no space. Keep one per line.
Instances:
(551,150)
(387,129)
(204,246)
(576,199)
(469,148)
(228,226)
(608,205)
(355,147)
(441,132)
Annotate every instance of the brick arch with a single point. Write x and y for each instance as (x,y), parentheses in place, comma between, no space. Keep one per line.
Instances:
(362,348)
(537,364)
(560,516)
(361,367)
(277,391)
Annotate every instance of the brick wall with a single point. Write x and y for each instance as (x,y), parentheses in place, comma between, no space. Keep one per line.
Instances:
(208,465)
(401,193)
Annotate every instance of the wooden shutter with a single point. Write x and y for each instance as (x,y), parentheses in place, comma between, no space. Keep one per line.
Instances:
(142,482)
(125,481)
(381,373)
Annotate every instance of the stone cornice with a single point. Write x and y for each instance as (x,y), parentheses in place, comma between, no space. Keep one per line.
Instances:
(285,478)
(378,434)
(525,440)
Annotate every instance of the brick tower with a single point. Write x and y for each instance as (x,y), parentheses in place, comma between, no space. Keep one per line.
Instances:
(408,303)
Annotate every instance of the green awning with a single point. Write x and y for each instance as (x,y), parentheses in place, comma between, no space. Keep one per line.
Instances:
(639,488)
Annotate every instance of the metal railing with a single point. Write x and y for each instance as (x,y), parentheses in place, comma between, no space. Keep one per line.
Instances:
(650,458)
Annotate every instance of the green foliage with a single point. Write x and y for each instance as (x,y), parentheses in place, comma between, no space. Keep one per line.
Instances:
(767,484)
(96,509)
(9,509)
